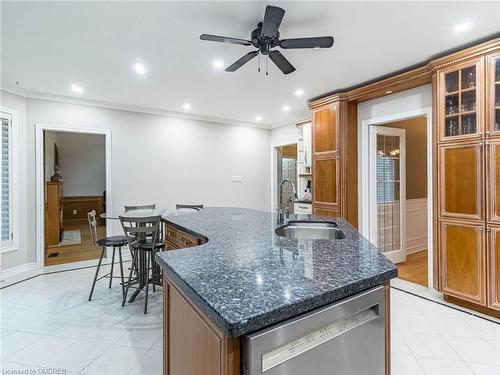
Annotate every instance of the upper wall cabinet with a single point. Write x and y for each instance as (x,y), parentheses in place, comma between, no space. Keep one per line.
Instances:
(493,95)
(325,135)
(460,101)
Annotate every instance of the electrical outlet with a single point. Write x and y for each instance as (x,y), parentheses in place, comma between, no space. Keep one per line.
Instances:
(74,212)
(236,179)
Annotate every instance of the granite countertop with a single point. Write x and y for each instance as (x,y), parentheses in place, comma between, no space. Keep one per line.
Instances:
(246,277)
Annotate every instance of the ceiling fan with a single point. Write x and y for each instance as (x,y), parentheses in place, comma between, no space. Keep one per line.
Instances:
(266,37)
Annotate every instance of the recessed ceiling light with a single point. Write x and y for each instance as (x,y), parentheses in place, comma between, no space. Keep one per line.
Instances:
(77,89)
(186,106)
(285,108)
(258,118)
(218,64)
(388,92)
(461,27)
(140,68)
(299,92)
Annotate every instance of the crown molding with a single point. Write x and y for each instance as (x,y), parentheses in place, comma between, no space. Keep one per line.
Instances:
(127,107)
(411,78)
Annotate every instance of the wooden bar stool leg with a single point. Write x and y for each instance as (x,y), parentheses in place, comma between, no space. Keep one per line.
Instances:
(97,273)
(112,266)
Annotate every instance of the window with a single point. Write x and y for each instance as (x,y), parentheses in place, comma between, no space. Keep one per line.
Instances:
(7,207)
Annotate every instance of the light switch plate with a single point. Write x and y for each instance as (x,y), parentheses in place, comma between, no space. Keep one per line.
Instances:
(74,212)
(236,179)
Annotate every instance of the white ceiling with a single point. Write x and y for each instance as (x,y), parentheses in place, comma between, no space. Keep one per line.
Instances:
(47,46)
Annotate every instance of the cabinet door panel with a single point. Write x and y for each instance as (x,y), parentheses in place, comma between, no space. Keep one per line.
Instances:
(326,180)
(493,182)
(493,96)
(461,185)
(325,132)
(494,267)
(325,212)
(460,101)
(463,260)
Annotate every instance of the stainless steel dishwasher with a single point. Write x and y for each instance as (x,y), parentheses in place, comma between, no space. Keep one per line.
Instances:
(346,337)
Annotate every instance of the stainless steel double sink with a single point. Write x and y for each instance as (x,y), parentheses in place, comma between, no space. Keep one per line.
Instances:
(311,230)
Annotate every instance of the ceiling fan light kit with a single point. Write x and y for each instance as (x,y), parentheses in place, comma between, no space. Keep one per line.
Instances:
(266,37)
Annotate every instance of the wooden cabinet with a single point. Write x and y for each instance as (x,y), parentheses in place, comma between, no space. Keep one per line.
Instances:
(460,101)
(467,119)
(192,344)
(463,262)
(334,154)
(178,239)
(493,95)
(54,227)
(461,180)
(494,267)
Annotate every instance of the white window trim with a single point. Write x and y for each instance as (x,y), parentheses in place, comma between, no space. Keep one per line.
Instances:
(14,152)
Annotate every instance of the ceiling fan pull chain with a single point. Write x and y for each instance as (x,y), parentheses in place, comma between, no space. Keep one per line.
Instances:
(258,69)
(267,71)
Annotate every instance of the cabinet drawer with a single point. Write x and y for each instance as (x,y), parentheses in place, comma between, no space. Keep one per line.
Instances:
(178,239)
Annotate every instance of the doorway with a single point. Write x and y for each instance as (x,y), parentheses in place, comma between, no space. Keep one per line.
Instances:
(74,184)
(398,219)
(73,177)
(286,168)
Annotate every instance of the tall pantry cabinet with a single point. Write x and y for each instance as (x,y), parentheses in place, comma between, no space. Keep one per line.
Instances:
(467,98)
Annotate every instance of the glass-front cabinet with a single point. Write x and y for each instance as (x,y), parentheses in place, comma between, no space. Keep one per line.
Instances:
(493,95)
(460,101)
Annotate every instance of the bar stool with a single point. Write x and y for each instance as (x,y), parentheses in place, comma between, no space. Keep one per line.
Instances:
(115,242)
(142,238)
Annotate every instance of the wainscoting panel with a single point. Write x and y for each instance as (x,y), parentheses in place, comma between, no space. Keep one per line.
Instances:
(416,225)
(75,209)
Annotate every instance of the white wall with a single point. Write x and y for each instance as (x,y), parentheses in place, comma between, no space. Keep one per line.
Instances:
(157,159)
(83,163)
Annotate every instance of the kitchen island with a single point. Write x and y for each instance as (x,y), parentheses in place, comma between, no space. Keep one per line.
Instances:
(237,277)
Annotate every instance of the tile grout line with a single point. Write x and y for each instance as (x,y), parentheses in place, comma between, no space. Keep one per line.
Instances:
(445,305)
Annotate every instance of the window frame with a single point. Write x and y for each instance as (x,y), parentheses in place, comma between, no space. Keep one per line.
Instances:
(13,179)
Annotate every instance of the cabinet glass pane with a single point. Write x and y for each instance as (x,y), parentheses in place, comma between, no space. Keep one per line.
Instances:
(451,104)
(469,123)
(497,94)
(468,102)
(497,70)
(497,119)
(451,82)
(468,77)
(451,126)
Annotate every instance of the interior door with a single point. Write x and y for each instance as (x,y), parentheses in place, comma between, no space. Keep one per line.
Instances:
(388,191)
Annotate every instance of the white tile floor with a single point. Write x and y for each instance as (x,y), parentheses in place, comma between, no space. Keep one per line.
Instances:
(46,322)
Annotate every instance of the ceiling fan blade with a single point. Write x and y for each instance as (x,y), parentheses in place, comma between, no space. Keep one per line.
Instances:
(225,39)
(281,62)
(272,21)
(239,63)
(318,42)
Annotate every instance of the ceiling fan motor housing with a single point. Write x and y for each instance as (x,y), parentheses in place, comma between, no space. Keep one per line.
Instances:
(263,43)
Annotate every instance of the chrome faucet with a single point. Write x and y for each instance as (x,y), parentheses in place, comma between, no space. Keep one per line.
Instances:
(286,215)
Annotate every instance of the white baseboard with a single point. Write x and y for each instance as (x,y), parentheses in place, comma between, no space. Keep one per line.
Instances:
(416,249)
(9,272)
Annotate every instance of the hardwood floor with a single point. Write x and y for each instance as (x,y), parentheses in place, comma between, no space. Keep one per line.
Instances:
(76,253)
(415,268)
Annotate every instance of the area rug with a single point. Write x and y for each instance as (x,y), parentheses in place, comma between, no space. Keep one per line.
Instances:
(70,237)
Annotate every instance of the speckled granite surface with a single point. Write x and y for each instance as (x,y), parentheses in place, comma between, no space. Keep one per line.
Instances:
(246,277)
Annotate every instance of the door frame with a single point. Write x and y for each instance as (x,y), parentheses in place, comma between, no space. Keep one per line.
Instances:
(39,180)
(396,256)
(274,170)
(363,175)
